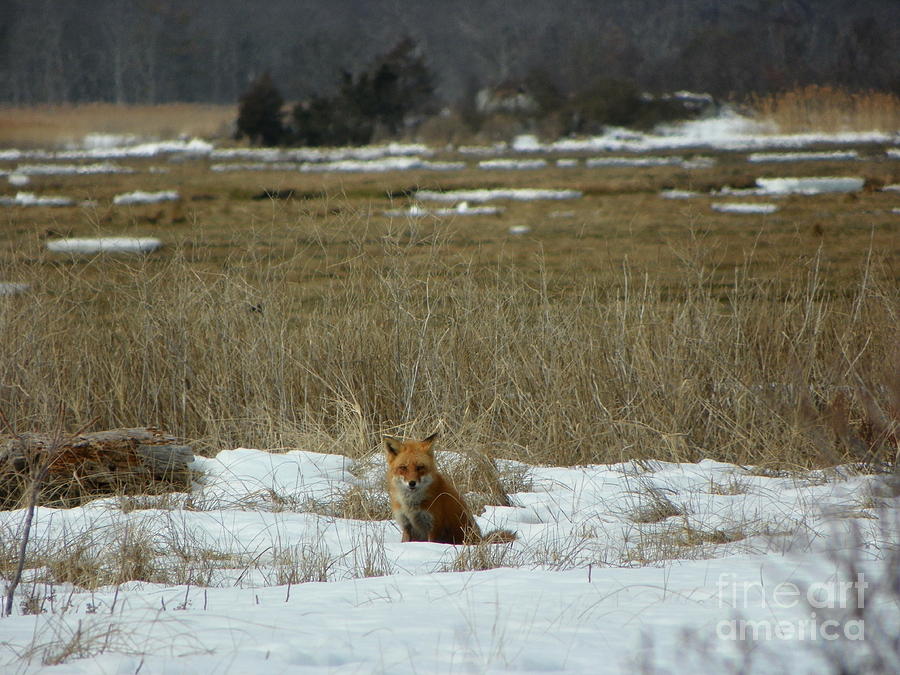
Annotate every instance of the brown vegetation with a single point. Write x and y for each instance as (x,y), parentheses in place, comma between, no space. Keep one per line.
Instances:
(814,108)
(56,126)
(624,325)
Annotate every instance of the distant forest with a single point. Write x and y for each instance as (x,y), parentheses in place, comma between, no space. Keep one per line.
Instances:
(158,51)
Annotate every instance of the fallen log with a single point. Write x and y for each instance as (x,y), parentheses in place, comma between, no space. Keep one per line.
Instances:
(73,469)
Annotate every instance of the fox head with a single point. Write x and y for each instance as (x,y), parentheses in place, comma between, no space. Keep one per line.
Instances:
(410,463)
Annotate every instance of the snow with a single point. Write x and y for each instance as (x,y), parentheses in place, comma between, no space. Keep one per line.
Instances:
(366,152)
(588,587)
(519,229)
(141,197)
(514,164)
(727,131)
(105,245)
(516,194)
(379,165)
(678,194)
(18,179)
(461,209)
(12,288)
(595,162)
(31,199)
(742,207)
(759,157)
(809,186)
(70,169)
(779,187)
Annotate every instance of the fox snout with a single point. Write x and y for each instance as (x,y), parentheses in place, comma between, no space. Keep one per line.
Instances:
(412,485)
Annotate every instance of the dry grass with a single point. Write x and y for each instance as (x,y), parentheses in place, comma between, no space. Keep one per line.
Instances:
(624,326)
(54,126)
(829,109)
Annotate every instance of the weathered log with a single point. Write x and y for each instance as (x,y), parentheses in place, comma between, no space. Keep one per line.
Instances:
(71,469)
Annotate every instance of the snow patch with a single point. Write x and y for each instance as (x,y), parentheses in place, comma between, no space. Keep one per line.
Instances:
(31,199)
(71,169)
(105,245)
(461,209)
(759,157)
(12,288)
(809,186)
(140,197)
(678,194)
(514,194)
(742,207)
(512,164)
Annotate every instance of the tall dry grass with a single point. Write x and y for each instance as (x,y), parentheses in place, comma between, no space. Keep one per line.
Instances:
(830,109)
(520,365)
(53,126)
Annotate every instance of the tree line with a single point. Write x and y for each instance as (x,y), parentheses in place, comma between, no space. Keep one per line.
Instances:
(156,51)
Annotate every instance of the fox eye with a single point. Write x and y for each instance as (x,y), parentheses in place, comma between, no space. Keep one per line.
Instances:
(403,467)
(420,467)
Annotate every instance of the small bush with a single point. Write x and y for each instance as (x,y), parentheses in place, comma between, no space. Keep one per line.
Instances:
(385,97)
(259,113)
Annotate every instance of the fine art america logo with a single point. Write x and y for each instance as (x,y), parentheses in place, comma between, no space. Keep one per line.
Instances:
(829,610)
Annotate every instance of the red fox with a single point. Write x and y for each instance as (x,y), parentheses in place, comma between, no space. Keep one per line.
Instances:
(426,505)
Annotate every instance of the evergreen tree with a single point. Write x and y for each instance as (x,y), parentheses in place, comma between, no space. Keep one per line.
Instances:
(259,113)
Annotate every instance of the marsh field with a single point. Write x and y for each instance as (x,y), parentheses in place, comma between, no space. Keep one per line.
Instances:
(667,361)
(315,303)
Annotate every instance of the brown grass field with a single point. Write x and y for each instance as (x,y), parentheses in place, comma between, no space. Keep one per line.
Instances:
(622,325)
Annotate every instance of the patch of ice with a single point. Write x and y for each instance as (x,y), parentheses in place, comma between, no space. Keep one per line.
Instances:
(893,153)
(516,194)
(519,229)
(759,157)
(741,207)
(895,187)
(567,163)
(105,245)
(31,199)
(18,179)
(505,164)
(140,197)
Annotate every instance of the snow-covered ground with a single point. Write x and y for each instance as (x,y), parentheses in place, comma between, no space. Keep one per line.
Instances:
(640,566)
(729,131)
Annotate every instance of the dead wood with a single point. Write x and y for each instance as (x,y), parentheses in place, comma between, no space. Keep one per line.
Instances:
(141,460)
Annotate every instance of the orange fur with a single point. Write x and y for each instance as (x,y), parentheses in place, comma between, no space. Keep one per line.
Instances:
(426,505)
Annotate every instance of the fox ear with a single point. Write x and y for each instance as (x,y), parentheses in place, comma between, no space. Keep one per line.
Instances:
(427,442)
(393,445)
